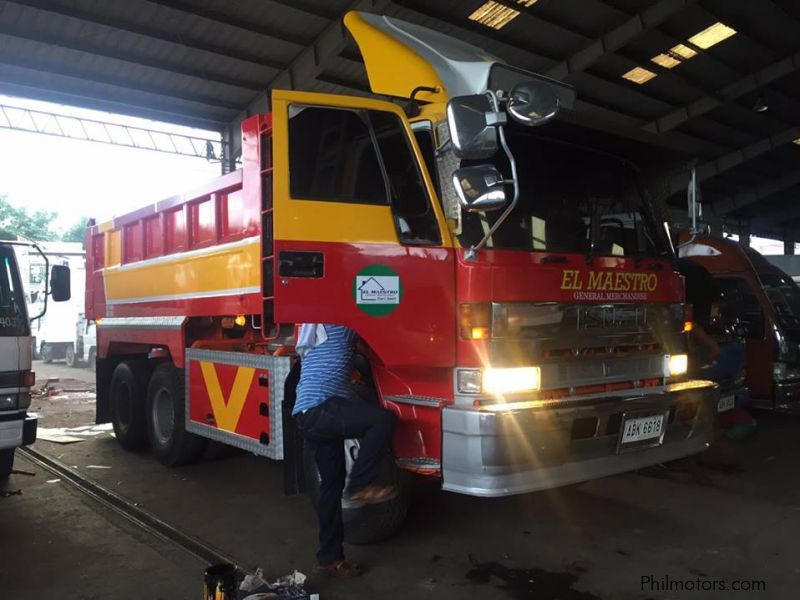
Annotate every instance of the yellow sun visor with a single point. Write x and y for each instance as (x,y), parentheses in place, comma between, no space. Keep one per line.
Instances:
(401,56)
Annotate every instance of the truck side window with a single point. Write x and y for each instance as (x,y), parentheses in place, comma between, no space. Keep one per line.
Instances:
(414,216)
(332,157)
(424,139)
(360,156)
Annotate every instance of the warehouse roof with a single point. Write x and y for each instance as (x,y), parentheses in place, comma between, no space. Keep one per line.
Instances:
(716,78)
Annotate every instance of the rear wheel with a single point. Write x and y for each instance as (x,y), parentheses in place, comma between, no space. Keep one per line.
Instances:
(69,356)
(46,352)
(128,400)
(166,410)
(6,463)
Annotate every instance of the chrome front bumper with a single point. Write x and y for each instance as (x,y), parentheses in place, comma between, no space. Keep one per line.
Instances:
(489,453)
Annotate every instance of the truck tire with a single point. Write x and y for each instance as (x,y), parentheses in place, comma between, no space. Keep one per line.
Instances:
(363,523)
(166,409)
(69,356)
(6,464)
(128,401)
(46,352)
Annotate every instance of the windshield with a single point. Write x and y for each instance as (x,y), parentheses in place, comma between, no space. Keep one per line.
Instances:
(13,317)
(784,295)
(572,199)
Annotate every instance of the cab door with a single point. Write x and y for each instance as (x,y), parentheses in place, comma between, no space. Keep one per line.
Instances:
(359,238)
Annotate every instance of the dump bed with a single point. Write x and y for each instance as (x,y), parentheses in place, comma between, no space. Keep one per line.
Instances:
(194,254)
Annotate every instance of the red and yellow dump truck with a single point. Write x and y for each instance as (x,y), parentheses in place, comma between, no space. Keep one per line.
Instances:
(514,291)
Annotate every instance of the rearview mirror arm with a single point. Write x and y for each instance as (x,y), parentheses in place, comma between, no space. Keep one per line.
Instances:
(472,252)
(46,281)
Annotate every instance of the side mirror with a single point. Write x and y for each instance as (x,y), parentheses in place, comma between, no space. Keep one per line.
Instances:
(60,283)
(480,188)
(472,136)
(533,103)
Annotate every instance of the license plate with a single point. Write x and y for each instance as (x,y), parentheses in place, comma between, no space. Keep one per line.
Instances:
(725,403)
(638,429)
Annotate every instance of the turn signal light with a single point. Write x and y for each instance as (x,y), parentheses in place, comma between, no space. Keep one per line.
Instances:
(240,320)
(687,326)
(474,320)
(28,379)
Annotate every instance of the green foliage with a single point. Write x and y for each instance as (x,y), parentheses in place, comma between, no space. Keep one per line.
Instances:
(18,221)
(76,233)
(37,225)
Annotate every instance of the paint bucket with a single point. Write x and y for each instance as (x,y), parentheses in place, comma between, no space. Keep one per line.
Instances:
(219,582)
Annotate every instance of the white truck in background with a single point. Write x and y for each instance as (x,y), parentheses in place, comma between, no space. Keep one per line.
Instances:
(85,349)
(17,427)
(53,335)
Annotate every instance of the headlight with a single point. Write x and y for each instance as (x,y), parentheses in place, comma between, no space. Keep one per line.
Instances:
(676,364)
(469,381)
(498,381)
(511,380)
(24,400)
(8,401)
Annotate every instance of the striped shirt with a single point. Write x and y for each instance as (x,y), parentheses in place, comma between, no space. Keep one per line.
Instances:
(327,368)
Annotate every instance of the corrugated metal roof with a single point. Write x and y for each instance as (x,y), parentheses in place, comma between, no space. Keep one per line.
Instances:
(203,62)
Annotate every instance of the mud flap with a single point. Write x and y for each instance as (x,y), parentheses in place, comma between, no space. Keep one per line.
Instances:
(293,474)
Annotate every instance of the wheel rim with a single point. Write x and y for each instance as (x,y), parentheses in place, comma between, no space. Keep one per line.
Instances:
(163,416)
(124,401)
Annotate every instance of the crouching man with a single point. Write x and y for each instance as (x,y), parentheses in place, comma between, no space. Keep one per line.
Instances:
(327,413)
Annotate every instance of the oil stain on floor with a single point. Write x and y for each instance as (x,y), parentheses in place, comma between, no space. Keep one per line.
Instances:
(529,583)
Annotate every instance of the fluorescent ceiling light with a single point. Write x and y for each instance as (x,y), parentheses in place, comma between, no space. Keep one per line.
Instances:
(666,61)
(712,35)
(496,15)
(639,75)
(683,51)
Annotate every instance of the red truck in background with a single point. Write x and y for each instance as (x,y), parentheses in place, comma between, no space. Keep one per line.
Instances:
(767,302)
(524,342)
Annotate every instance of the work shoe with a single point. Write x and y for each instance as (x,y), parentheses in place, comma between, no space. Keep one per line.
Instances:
(375,493)
(340,569)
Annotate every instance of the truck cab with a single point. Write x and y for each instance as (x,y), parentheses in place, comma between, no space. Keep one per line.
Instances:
(17,427)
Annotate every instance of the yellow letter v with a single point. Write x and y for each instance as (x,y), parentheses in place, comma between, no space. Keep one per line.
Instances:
(227,413)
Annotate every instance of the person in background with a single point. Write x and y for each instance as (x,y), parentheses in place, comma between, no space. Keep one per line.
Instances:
(712,355)
(717,361)
(327,413)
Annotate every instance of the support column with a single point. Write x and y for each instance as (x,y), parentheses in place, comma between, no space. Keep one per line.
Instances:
(230,145)
(788,244)
(744,234)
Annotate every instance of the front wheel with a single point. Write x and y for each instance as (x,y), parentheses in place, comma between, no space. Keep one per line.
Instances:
(46,352)
(363,523)
(6,463)
(69,357)
(166,418)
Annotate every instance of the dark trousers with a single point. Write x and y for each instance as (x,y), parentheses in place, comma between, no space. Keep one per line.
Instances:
(325,428)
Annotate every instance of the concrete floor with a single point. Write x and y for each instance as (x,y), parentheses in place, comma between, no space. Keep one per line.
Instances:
(734,513)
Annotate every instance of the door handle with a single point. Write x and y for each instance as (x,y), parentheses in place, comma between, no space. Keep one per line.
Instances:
(300,264)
